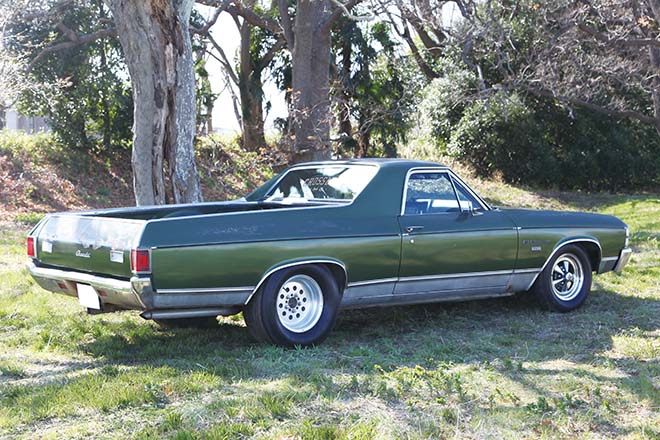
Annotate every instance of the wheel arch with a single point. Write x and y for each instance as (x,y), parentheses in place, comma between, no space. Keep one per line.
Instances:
(336,268)
(589,244)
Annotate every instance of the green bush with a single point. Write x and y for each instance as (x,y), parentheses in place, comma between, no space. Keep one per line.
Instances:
(538,142)
(38,147)
(502,135)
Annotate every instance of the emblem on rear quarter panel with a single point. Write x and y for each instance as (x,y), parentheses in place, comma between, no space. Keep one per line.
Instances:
(117,256)
(82,254)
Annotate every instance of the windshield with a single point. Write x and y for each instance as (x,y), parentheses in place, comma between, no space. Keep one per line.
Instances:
(332,183)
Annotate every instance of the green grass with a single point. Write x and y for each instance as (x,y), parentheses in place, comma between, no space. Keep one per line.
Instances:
(498,368)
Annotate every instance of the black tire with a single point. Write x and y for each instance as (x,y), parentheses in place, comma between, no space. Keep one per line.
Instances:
(554,273)
(261,313)
(201,322)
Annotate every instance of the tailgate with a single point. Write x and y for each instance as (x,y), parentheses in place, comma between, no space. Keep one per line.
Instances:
(91,244)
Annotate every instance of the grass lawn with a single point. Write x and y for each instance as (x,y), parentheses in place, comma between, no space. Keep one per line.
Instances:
(497,368)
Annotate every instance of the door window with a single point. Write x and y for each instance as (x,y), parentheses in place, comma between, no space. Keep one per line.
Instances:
(468,201)
(430,193)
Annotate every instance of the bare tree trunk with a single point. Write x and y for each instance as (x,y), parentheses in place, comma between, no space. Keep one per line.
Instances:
(209,117)
(654,57)
(156,42)
(345,126)
(310,116)
(251,92)
(107,127)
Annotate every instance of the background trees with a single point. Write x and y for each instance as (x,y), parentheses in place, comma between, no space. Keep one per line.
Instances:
(558,93)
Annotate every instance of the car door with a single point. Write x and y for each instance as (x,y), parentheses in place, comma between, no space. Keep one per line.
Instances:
(453,244)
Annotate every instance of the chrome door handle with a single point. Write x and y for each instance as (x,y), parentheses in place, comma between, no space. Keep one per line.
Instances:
(410,229)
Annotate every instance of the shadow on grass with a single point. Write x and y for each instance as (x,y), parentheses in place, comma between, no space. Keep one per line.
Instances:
(367,349)
(390,338)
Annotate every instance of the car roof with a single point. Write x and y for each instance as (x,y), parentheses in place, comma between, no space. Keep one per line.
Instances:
(381,162)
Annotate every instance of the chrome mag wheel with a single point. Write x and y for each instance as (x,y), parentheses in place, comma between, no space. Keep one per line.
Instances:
(567,277)
(299,303)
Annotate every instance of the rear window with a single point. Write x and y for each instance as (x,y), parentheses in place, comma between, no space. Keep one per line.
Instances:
(332,183)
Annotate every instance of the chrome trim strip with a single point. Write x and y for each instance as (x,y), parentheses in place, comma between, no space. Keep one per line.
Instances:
(296,263)
(623,259)
(456,275)
(206,290)
(527,270)
(370,282)
(444,276)
(609,259)
(561,245)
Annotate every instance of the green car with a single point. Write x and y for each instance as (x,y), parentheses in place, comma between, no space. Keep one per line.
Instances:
(317,238)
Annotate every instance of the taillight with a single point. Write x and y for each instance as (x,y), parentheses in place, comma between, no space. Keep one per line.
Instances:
(30,248)
(140,260)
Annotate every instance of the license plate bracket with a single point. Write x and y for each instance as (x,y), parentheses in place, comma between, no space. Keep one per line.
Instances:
(87,297)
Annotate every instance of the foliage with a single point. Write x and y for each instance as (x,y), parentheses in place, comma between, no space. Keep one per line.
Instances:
(227,171)
(535,142)
(476,111)
(85,93)
(374,90)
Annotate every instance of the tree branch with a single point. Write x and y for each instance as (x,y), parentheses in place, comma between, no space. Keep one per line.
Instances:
(624,42)
(204,29)
(591,106)
(268,56)
(237,8)
(428,72)
(224,61)
(343,8)
(285,21)
(75,41)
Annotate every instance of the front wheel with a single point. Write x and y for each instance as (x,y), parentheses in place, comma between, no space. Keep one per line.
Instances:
(295,306)
(566,281)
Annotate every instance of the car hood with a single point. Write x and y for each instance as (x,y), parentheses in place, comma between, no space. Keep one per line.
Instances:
(534,218)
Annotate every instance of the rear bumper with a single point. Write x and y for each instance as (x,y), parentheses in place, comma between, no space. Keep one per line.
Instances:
(134,294)
(138,294)
(624,256)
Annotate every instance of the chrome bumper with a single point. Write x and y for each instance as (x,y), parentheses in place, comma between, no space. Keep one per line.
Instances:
(136,294)
(623,259)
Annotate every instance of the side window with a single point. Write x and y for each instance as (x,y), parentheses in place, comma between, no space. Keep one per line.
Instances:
(468,201)
(430,193)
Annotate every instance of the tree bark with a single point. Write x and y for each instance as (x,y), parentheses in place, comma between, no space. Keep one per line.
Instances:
(310,112)
(344,114)
(251,93)
(156,42)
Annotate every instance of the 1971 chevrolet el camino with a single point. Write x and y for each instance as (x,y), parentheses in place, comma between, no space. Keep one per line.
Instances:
(317,238)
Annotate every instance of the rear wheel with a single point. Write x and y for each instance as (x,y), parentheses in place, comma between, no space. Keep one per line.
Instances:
(202,322)
(565,282)
(295,306)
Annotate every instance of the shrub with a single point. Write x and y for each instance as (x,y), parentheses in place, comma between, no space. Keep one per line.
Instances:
(538,142)
(501,134)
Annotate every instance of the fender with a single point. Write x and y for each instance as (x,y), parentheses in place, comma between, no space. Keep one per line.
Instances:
(563,242)
(299,262)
